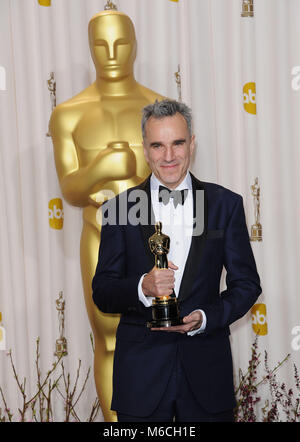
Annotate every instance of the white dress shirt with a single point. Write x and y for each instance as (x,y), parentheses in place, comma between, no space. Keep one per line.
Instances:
(177,223)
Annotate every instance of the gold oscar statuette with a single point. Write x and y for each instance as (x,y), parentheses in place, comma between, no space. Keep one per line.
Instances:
(52,89)
(256,229)
(178,82)
(110,6)
(98,149)
(165,311)
(247,8)
(61,342)
(2,335)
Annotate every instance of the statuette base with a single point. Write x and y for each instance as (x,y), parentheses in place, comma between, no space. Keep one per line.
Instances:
(165,312)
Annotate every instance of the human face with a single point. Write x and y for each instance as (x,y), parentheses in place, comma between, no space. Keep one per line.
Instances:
(168,148)
(113,45)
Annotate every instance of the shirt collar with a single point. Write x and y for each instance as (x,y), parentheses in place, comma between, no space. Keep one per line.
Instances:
(186,183)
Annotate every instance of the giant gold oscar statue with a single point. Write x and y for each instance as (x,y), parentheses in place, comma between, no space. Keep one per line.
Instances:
(98,146)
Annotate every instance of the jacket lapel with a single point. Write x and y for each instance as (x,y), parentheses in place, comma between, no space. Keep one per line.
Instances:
(148,229)
(197,244)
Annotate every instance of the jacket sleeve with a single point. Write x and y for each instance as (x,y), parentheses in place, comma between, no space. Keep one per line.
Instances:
(242,279)
(113,290)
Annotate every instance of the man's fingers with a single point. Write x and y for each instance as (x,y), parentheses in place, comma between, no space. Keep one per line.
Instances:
(193,317)
(158,282)
(173,328)
(172,265)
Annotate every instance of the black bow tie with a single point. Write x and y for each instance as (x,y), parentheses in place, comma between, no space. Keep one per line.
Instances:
(179,196)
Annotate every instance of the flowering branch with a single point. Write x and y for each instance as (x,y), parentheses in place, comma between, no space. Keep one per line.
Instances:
(247,398)
(40,404)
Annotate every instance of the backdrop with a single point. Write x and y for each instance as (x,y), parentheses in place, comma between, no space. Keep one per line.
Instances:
(238,67)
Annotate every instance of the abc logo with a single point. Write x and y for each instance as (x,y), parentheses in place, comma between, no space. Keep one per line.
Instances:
(259,319)
(249,91)
(56,214)
(45,2)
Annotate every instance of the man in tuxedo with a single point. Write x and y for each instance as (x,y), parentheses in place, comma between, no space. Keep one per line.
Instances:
(182,372)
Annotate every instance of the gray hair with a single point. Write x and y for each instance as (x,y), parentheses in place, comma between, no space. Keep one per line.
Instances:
(166,108)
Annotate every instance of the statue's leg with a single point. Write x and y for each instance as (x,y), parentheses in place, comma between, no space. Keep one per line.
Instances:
(103,325)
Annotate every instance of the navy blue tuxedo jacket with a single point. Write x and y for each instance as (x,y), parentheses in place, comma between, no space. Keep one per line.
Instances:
(144,359)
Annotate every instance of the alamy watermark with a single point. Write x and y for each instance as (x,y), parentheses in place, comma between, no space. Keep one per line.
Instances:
(134,208)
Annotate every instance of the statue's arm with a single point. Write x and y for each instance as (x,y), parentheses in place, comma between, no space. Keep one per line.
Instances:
(77,181)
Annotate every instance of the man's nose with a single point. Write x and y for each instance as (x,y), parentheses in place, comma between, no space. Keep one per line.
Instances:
(169,153)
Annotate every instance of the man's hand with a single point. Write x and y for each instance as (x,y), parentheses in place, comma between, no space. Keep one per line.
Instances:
(159,282)
(191,322)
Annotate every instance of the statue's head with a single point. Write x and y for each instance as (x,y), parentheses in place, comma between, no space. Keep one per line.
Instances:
(112,44)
